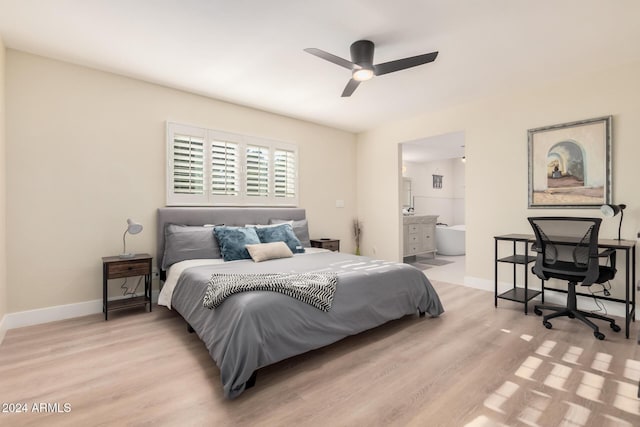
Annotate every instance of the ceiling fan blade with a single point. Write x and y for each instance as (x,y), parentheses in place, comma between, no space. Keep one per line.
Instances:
(401,64)
(330,57)
(350,87)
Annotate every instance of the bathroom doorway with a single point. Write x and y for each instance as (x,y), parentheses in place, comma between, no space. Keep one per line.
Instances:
(433,185)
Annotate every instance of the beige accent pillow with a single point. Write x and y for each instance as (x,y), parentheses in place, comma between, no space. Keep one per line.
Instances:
(266,251)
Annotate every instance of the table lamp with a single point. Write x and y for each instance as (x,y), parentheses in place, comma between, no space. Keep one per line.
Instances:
(610,211)
(132,228)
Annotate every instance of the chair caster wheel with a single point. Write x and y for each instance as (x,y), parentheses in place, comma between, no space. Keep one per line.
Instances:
(572,316)
(547,324)
(599,335)
(615,327)
(537,311)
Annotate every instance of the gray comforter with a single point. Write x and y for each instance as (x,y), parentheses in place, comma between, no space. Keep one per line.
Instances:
(254,329)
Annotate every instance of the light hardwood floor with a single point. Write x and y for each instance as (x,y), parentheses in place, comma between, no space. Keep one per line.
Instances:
(473,366)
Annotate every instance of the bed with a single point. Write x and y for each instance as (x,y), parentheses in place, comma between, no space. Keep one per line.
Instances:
(250,330)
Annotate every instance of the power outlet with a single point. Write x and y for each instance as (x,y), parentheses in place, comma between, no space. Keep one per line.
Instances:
(155,274)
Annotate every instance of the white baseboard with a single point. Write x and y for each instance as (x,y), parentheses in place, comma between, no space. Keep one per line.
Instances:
(585,303)
(3,329)
(52,314)
(477,283)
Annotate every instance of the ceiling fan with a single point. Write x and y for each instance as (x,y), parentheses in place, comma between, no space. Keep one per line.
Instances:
(361,64)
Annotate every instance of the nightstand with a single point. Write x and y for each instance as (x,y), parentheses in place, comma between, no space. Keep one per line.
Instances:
(114,267)
(331,244)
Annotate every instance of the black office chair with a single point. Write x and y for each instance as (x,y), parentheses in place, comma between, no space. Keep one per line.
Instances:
(567,249)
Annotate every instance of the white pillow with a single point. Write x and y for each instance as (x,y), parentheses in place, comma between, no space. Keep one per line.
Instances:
(267,225)
(266,251)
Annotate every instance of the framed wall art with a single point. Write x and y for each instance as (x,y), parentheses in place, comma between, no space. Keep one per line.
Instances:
(437,181)
(570,164)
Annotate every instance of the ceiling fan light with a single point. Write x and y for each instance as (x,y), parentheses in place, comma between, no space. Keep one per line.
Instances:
(362,74)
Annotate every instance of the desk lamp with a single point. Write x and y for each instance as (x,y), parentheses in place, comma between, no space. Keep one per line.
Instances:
(610,211)
(132,228)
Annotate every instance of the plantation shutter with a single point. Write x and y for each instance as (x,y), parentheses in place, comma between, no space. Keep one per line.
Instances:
(225,169)
(257,171)
(284,177)
(206,167)
(188,164)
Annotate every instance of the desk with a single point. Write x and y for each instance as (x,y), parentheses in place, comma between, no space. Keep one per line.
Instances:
(628,246)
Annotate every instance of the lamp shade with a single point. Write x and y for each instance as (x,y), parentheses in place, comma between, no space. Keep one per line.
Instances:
(132,228)
(610,211)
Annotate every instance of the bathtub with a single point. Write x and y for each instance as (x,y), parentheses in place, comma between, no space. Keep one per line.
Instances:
(450,240)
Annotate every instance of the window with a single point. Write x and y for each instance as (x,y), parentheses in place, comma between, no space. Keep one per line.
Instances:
(188,164)
(208,167)
(225,169)
(257,168)
(284,173)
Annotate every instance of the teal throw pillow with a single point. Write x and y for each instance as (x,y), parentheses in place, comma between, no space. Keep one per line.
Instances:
(233,240)
(280,233)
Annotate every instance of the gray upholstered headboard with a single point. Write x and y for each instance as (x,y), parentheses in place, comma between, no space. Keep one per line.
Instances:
(227,216)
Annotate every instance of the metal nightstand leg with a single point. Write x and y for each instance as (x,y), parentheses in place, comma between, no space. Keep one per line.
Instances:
(105,301)
(147,289)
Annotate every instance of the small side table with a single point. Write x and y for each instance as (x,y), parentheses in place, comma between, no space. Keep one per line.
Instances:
(114,267)
(331,244)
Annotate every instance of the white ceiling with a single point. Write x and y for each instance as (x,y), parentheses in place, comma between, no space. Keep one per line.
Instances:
(251,52)
(436,147)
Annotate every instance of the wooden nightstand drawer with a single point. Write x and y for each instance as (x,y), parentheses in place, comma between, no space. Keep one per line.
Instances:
(330,244)
(116,270)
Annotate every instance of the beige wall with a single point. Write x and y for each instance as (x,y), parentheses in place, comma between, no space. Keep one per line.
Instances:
(3,194)
(86,150)
(496,168)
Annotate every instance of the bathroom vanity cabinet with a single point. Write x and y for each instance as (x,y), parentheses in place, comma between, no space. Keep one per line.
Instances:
(419,234)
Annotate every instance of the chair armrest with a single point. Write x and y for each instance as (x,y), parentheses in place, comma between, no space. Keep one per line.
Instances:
(606,253)
(611,254)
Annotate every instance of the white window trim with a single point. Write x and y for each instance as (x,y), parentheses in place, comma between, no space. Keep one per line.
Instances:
(208,199)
